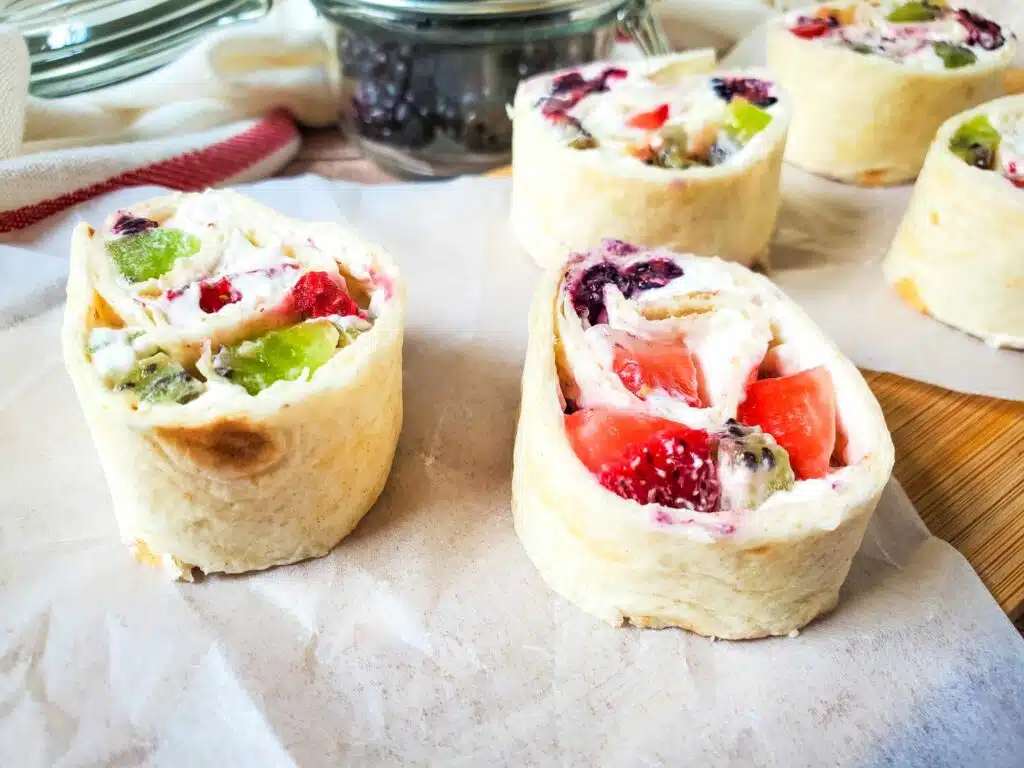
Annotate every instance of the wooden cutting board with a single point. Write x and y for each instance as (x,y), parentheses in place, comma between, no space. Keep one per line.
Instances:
(960,458)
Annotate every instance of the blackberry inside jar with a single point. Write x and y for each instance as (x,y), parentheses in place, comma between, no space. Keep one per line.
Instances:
(425,91)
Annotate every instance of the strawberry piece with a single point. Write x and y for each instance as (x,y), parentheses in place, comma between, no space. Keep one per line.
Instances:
(315,294)
(799,411)
(647,459)
(809,29)
(213,297)
(649,121)
(645,365)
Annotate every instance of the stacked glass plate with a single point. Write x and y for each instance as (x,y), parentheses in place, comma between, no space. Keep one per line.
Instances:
(79,45)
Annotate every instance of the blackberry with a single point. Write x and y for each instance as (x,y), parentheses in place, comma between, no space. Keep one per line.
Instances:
(757,92)
(588,294)
(653,274)
(126,224)
(981,31)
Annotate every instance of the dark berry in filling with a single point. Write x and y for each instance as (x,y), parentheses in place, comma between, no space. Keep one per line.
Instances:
(567,82)
(126,224)
(588,294)
(757,92)
(981,31)
(619,247)
(569,89)
(653,274)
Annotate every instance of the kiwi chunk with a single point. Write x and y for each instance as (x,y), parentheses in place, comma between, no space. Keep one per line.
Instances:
(954,56)
(913,12)
(751,467)
(583,141)
(743,120)
(976,143)
(159,379)
(152,253)
(280,355)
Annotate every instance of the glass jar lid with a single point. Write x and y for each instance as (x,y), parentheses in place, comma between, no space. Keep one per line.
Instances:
(476,8)
(79,45)
(493,20)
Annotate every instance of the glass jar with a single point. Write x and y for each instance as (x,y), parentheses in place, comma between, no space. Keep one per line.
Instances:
(79,45)
(426,83)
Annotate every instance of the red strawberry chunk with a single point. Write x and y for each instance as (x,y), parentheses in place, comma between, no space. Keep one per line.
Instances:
(799,411)
(646,365)
(213,297)
(650,121)
(315,294)
(809,29)
(647,459)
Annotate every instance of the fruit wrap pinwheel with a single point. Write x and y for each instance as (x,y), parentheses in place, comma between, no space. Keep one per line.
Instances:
(871,82)
(241,375)
(648,152)
(957,252)
(691,450)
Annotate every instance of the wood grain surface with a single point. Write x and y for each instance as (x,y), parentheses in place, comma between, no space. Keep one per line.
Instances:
(959,457)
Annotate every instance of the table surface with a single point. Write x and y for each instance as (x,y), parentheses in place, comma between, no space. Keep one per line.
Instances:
(959,457)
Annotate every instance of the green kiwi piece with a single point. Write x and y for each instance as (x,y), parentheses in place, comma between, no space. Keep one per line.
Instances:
(954,56)
(751,467)
(159,379)
(150,254)
(976,143)
(280,355)
(745,120)
(913,12)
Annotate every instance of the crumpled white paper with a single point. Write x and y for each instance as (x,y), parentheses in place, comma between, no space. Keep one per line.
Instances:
(427,637)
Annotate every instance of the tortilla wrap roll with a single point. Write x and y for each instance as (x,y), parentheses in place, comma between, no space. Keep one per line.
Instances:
(691,451)
(657,152)
(956,254)
(871,82)
(241,375)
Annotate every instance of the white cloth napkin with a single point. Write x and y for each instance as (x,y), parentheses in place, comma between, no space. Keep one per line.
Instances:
(223,113)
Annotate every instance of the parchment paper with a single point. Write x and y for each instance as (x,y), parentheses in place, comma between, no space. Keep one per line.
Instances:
(827,254)
(427,637)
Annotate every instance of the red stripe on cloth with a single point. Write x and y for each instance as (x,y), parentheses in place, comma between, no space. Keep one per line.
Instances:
(190,172)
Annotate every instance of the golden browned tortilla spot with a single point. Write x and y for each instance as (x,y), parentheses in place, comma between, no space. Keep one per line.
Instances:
(229,447)
(874,178)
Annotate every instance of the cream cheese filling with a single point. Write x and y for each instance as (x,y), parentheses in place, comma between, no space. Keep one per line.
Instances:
(728,328)
(910,43)
(693,108)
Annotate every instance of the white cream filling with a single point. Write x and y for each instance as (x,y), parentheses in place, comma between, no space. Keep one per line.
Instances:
(908,43)
(692,104)
(259,260)
(1010,155)
(111,352)
(728,342)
